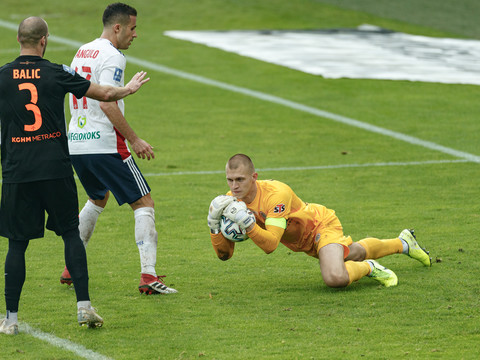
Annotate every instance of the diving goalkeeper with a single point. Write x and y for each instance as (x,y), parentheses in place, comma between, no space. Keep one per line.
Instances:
(278,215)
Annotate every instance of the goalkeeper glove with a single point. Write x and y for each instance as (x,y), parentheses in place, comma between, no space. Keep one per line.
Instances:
(237,212)
(215,211)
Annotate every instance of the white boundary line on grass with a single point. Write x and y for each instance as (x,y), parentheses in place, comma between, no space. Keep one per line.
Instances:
(277,100)
(61,343)
(319,167)
(308,109)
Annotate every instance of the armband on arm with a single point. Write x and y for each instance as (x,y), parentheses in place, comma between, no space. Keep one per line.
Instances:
(278,222)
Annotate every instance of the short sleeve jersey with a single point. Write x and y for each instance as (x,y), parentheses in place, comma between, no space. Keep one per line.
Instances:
(275,199)
(32,96)
(90,131)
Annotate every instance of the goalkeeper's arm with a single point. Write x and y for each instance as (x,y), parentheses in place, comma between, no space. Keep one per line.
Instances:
(268,239)
(222,246)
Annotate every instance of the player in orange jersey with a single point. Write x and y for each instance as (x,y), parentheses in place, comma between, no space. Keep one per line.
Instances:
(278,215)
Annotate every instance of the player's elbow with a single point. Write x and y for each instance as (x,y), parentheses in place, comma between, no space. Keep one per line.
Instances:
(224,256)
(103,105)
(101,92)
(269,250)
(109,94)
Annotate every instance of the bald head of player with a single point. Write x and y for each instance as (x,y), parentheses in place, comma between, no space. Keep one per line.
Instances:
(32,36)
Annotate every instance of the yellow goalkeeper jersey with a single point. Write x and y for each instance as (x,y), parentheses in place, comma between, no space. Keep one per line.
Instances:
(275,201)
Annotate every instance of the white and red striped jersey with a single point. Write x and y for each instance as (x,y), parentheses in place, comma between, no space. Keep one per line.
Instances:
(90,131)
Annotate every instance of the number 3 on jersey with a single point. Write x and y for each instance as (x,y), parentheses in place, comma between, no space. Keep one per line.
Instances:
(32,107)
(88,71)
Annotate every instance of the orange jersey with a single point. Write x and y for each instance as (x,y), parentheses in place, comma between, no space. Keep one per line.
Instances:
(276,200)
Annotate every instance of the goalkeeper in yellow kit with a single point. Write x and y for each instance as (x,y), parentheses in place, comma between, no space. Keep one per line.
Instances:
(277,215)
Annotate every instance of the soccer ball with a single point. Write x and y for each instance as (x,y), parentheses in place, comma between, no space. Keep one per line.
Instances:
(231,230)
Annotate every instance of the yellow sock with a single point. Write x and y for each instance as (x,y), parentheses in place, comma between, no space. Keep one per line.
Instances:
(377,248)
(356,270)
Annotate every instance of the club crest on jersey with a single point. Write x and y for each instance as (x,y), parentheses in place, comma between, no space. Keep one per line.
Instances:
(278,209)
(68,69)
(81,121)
(118,74)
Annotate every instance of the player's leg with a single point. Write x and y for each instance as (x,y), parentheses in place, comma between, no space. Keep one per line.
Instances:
(89,169)
(131,187)
(338,269)
(87,221)
(63,219)
(21,218)
(376,248)
(332,266)
(76,260)
(404,244)
(98,197)
(124,180)
(337,272)
(14,280)
(146,237)
(89,216)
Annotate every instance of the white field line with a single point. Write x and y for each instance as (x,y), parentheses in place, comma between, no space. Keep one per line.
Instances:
(307,168)
(277,100)
(308,109)
(61,343)
(320,167)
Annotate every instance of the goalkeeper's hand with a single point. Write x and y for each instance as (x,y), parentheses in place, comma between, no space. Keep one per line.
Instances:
(237,211)
(216,209)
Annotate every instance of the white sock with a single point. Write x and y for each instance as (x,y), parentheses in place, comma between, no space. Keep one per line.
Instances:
(88,219)
(146,238)
(405,247)
(371,266)
(11,318)
(84,304)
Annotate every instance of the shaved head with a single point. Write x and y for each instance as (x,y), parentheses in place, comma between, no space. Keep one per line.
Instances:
(31,30)
(241,160)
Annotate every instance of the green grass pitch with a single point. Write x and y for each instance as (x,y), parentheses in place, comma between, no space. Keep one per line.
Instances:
(258,306)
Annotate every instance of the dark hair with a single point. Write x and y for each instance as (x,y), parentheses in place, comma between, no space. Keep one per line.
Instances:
(118,13)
